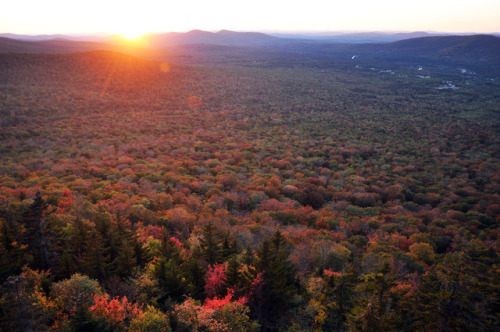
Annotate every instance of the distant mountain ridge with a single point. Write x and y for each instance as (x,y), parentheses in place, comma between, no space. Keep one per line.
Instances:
(236,38)
(359,37)
(470,46)
(223,37)
(451,44)
(477,46)
(79,37)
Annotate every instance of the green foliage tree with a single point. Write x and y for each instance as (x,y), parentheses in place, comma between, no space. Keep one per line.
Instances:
(171,281)
(73,297)
(151,321)
(372,310)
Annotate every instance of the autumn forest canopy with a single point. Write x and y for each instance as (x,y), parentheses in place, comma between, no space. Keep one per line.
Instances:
(205,187)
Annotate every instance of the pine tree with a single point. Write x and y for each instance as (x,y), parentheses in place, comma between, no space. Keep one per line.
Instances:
(249,258)
(210,245)
(339,299)
(279,288)
(172,282)
(125,262)
(233,275)
(229,247)
(78,243)
(38,235)
(95,262)
(195,275)
(125,258)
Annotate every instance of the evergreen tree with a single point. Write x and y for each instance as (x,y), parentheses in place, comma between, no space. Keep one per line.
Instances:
(12,254)
(210,245)
(124,245)
(339,299)
(78,244)
(279,288)
(196,278)
(249,258)
(38,234)
(169,249)
(233,275)
(172,282)
(229,247)
(125,262)
(95,262)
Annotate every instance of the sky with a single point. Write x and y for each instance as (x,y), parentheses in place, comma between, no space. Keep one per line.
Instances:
(135,18)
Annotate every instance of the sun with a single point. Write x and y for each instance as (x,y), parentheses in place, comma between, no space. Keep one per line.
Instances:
(131,35)
(132,38)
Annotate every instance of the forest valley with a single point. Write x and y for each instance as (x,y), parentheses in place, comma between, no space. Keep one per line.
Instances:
(212,191)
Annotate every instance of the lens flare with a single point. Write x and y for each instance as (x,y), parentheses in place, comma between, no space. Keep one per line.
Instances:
(164,67)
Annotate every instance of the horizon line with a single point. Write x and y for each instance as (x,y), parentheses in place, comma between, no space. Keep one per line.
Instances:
(277,31)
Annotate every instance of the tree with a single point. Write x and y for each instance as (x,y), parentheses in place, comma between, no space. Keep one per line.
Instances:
(249,258)
(422,252)
(171,281)
(152,320)
(339,296)
(373,308)
(210,244)
(233,275)
(73,298)
(228,247)
(216,277)
(12,253)
(38,235)
(116,312)
(24,305)
(195,276)
(279,287)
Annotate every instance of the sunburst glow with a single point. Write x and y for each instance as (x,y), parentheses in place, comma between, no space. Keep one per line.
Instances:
(131,35)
